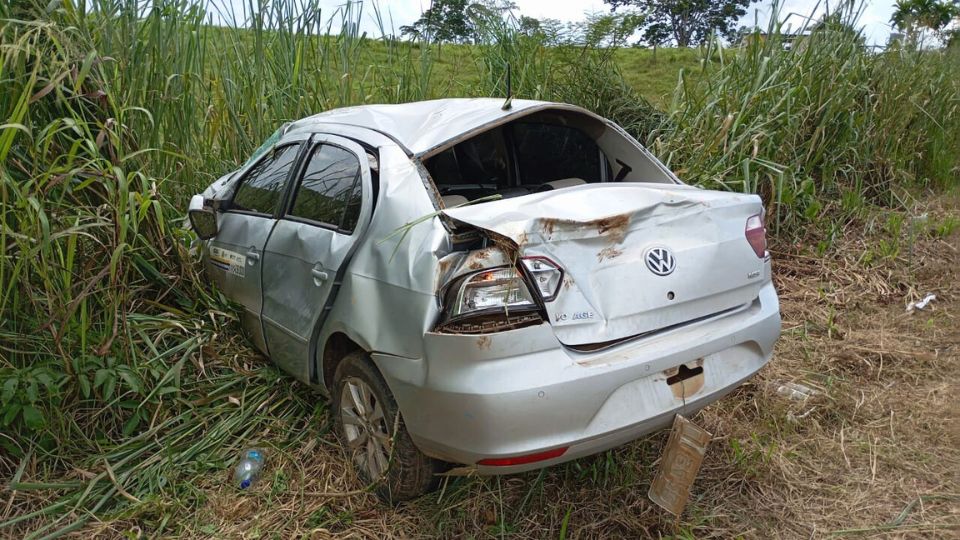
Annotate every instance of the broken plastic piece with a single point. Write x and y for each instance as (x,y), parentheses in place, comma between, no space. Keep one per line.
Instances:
(922,303)
(795,391)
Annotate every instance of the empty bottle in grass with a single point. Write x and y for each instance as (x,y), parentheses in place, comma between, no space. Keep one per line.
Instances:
(248,470)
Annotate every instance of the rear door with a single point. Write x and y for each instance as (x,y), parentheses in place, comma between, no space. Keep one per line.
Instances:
(327,212)
(234,255)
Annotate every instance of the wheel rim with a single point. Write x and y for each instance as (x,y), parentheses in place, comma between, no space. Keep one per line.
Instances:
(364,427)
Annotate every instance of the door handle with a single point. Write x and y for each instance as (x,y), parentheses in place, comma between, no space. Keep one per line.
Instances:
(319,275)
(253,256)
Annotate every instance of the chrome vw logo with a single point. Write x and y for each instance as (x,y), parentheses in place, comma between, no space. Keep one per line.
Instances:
(660,261)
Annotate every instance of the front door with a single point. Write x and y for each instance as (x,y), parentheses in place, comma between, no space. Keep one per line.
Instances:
(234,258)
(304,259)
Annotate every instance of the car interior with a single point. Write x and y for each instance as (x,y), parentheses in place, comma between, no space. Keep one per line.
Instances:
(515,159)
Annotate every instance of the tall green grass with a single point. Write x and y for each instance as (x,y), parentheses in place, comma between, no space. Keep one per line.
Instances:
(113,112)
(824,122)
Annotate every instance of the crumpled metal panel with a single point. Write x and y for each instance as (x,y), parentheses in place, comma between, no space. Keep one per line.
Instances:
(387,300)
(424,125)
(608,292)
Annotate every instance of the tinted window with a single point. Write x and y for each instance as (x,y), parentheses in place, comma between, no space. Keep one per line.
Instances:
(330,191)
(548,152)
(483,160)
(262,187)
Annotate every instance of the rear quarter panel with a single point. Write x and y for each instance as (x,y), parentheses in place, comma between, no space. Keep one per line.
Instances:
(387,300)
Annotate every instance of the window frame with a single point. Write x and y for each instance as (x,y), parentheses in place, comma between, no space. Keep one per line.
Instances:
(286,186)
(294,189)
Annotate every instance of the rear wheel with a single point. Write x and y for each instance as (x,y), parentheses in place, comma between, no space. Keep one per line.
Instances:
(373,433)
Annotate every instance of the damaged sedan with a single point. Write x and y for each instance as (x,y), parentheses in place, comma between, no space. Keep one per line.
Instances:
(497,287)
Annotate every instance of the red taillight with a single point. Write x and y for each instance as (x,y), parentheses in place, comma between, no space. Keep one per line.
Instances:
(521,460)
(756,235)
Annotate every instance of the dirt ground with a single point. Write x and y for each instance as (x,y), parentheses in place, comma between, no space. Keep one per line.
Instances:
(873,451)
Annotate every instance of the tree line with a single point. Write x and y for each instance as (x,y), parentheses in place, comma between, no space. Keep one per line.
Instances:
(682,23)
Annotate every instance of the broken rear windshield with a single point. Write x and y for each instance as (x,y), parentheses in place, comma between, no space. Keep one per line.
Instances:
(517,159)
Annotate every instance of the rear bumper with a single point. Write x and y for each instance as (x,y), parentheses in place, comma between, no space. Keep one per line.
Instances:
(522,392)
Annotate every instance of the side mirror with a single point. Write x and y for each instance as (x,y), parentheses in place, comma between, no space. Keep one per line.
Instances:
(203,219)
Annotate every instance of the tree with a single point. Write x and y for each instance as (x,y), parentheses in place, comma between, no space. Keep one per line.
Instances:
(529,25)
(610,30)
(913,16)
(444,20)
(459,21)
(686,22)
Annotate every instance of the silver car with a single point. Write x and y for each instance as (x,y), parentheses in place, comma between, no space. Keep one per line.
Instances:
(502,286)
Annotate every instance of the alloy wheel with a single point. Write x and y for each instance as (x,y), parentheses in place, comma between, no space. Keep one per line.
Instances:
(365,427)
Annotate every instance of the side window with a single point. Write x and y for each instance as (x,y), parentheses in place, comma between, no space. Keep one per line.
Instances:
(330,191)
(548,152)
(262,188)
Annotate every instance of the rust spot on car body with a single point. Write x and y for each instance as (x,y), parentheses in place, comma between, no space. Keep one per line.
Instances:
(443,270)
(608,253)
(444,266)
(479,259)
(567,282)
(547,225)
(521,240)
(484,343)
(615,227)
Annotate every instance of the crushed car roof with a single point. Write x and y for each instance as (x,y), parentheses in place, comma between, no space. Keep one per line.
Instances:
(425,125)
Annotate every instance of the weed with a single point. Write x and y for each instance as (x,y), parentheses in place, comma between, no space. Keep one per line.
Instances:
(945,227)
(750,456)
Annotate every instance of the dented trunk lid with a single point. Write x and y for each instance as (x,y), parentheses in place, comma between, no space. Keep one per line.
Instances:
(601,234)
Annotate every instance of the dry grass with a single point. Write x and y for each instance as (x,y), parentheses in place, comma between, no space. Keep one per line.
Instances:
(875,452)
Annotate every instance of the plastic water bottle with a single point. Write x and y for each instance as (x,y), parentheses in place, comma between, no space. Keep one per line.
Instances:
(248,470)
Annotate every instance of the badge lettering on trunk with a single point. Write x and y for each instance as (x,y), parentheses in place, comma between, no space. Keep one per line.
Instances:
(679,465)
(660,261)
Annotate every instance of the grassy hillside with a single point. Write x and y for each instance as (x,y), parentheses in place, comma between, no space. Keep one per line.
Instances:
(126,391)
(655,75)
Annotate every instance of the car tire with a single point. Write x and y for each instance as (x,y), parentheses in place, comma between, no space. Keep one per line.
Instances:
(366,415)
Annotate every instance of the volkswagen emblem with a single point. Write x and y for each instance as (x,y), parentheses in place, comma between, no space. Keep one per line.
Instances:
(660,261)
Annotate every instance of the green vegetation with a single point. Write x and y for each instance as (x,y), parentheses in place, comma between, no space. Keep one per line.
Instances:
(685,22)
(808,127)
(123,384)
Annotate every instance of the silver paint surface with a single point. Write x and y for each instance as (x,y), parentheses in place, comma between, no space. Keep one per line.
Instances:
(470,397)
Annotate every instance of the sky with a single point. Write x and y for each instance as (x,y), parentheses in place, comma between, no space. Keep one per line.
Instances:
(874,19)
